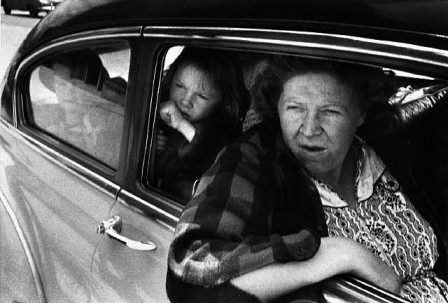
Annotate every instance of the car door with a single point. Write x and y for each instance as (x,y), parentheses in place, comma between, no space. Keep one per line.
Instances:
(62,161)
(136,272)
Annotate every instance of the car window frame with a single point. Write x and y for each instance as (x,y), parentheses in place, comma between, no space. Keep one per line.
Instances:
(92,169)
(157,39)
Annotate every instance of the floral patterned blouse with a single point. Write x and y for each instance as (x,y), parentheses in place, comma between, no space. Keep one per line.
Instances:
(387,223)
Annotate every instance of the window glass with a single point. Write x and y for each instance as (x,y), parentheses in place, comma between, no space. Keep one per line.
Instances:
(202,104)
(166,172)
(79,96)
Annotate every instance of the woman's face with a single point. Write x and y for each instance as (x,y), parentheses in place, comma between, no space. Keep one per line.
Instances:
(194,93)
(319,117)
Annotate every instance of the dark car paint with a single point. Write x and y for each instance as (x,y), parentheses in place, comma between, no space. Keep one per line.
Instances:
(328,15)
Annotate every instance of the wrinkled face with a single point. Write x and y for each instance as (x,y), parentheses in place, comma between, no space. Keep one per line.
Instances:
(194,93)
(319,117)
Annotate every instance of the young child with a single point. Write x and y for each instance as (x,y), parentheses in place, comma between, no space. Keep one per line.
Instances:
(206,101)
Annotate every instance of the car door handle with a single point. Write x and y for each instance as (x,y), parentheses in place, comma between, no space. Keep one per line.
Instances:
(112,227)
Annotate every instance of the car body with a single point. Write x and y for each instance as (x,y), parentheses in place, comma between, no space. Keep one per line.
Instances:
(59,197)
(32,6)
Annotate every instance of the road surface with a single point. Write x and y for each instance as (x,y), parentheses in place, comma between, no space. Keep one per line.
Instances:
(14,29)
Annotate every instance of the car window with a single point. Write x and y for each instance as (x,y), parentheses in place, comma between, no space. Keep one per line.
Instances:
(398,115)
(177,162)
(78,98)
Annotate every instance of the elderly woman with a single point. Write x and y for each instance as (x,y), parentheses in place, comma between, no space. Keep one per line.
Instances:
(299,199)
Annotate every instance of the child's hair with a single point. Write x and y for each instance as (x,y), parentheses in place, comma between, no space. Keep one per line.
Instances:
(226,73)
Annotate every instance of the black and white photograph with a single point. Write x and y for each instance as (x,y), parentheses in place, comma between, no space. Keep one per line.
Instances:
(284,151)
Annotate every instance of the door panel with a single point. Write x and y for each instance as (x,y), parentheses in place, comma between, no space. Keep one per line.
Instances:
(57,208)
(17,281)
(121,274)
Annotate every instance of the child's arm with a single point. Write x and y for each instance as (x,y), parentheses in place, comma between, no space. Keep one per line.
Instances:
(171,115)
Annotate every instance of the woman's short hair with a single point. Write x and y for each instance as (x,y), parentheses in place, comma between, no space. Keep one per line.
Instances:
(368,83)
(225,71)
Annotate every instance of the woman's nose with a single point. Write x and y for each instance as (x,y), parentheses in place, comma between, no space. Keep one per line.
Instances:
(310,125)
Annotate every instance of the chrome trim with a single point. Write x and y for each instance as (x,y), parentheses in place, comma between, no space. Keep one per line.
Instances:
(166,216)
(352,289)
(151,122)
(153,32)
(26,247)
(97,181)
(301,33)
(113,226)
(72,41)
(124,32)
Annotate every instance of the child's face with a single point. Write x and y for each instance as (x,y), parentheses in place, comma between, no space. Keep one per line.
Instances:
(193,93)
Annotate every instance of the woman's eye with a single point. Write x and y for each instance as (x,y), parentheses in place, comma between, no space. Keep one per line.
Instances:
(332,112)
(179,85)
(294,108)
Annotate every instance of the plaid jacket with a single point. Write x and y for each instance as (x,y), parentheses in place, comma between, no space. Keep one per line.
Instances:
(253,207)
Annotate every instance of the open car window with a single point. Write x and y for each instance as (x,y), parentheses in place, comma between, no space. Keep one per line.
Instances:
(176,167)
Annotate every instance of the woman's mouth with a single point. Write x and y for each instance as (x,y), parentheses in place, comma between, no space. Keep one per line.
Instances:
(312,149)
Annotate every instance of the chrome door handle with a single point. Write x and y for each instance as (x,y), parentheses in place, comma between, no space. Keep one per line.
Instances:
(112,227)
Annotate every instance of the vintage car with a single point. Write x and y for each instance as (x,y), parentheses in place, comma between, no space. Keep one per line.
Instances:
(32,6)
(83,216)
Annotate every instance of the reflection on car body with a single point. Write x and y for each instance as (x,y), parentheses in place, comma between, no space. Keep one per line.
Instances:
(65,170)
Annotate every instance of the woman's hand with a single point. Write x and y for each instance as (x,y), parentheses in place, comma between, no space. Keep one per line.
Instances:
(172,116)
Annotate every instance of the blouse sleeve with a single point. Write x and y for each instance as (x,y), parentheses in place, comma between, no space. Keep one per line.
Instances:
(226,229)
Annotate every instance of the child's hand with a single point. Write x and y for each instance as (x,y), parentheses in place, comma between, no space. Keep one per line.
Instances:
(161,142)
(171,115)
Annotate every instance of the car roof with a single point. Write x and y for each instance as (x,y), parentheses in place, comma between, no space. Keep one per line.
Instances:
(420,21)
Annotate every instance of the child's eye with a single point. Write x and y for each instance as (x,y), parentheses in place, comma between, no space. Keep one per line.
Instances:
(179,85)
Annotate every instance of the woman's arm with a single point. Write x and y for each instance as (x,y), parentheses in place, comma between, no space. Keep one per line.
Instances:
(335,256)
(226,229)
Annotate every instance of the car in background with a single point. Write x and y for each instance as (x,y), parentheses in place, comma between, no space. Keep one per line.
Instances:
(32,6)
(82,216)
